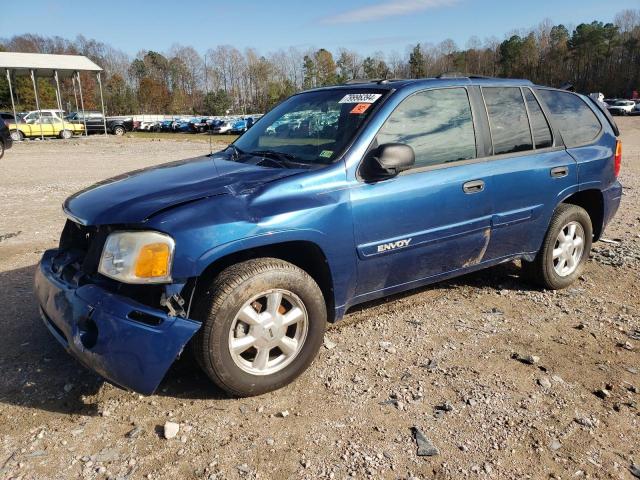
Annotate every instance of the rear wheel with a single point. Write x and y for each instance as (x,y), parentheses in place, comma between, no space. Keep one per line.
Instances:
(119,131)
(17,135)
(1,149)
(263,324)
(565,249)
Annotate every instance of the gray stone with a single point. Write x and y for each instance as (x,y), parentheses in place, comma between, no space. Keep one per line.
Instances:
(134,432)
(425,447)
(544,382)
(328,344)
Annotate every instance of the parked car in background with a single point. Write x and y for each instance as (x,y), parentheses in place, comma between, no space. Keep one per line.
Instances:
(166,126)
(95,122)
(621,107)
(213,122)
(222,127)
(33,115)
(5,139)
(149,126)
(239,126)
(417,181)
(6,117)
(45,126)
(198,125)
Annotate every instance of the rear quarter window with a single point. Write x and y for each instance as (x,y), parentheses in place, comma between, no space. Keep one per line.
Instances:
(573,117)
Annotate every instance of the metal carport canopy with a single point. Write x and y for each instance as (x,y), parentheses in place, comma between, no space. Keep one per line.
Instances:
(45,64)
(50,65)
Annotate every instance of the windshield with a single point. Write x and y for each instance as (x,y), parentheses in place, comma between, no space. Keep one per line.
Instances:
(311,128)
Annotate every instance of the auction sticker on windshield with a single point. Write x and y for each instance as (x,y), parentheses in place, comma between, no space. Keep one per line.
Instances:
(360,108)
(360,98)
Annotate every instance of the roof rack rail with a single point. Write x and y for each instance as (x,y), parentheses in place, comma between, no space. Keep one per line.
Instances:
(462,75)
(387,80)
(379,81)
(356,81)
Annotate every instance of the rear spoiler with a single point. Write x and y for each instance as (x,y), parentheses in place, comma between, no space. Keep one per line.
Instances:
(606,113)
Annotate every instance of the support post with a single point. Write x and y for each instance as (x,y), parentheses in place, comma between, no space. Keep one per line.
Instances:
(75,92)
(104,115)
(35,90)
(84,115)
(13,104)
(59,97)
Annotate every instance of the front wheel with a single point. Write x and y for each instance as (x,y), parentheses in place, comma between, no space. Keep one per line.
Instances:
(1,149)
(263,324)
(118,131)
(17,135)
(565,249)
(66,134)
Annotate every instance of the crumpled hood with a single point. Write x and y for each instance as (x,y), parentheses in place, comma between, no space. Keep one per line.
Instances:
(135,196)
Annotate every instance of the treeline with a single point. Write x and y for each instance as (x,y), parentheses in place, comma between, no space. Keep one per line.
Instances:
(595,57)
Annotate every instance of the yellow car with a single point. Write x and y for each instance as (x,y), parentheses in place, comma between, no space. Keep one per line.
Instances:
(47,126)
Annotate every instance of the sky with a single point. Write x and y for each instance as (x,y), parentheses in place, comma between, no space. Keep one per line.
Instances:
(362,25)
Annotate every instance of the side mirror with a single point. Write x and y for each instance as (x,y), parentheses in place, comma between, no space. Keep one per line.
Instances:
(387,161)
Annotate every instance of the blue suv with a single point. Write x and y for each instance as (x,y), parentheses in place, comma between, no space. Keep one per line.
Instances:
(335,197)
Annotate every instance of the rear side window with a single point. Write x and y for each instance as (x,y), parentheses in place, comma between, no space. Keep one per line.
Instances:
(541,132)
(507,119)
(575,120)
(436,123)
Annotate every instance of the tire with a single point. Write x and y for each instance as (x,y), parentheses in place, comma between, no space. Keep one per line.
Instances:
(118,131)
(550,272)
(17,135)
(244,287)
(1,148)
(66,134)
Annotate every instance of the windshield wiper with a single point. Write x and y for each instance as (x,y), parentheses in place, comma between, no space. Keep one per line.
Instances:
(281,158)
(273,153)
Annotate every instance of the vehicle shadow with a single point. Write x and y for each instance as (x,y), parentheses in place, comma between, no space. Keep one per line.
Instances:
(38,373)
(36,370)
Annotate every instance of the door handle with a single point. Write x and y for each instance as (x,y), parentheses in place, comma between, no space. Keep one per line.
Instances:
(559,172)
(474,186)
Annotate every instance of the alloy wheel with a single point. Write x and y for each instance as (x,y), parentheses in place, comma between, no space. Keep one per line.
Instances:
(568,249)
(268,332)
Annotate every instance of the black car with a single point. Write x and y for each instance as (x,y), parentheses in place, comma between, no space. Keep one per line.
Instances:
(95,122)
(6,117)
(5,139)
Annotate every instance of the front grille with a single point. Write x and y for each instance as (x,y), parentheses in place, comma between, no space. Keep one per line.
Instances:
(86,242)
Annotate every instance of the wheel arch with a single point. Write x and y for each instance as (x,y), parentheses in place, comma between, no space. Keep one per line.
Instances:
(304,254)
(592,201)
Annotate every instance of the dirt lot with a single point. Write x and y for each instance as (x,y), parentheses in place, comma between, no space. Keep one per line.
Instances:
(439,358)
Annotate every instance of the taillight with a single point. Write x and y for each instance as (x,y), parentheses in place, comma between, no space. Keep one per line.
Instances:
(617,158)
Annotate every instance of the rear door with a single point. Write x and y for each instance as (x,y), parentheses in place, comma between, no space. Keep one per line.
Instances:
(584,136)
(434,218)
(532,172)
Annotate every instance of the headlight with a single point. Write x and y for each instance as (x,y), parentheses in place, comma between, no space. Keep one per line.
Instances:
(137,257)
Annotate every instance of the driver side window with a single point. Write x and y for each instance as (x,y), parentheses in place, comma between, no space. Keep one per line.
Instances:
(437,124)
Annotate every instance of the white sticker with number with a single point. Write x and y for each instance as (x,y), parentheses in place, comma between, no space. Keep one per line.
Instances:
(360,98)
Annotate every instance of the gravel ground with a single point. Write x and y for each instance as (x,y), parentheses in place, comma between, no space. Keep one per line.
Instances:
(503,380)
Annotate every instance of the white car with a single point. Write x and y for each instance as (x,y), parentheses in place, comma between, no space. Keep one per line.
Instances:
(223,127)
(622,107)
(34,115)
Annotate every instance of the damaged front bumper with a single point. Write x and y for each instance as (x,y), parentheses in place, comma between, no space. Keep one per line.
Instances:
(129,344)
